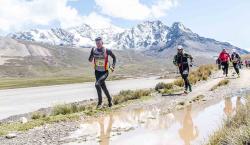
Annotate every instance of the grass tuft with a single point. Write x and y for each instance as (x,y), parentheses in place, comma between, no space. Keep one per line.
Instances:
(38,115)
(162,85)
(221,83)
(67,109)
(201,74)
(5,128)
(236,129)
(127,95)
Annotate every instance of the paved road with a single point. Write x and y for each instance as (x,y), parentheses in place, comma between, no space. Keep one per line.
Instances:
(18,101)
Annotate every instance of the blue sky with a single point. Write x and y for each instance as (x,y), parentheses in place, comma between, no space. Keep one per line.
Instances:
(224,20)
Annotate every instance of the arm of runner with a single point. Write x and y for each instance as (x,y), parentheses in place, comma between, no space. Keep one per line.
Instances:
(239,57)
(175,60)
(91,56)
(191,59)
(220,56)
(113,57)
(229,57)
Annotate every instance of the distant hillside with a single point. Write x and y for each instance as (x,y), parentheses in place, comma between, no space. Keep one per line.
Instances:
(26,59)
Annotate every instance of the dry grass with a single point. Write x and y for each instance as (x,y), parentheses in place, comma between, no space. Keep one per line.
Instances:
(162,85)
(67,109)
(179,82)
(17,126)
(221,83)
(125,96)
(202,73)
(38,115)
(246,56)
(236,130)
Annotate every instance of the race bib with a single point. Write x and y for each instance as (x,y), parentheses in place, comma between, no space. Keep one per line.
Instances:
(235,60)
(185,72)
(100,62)
(237,66)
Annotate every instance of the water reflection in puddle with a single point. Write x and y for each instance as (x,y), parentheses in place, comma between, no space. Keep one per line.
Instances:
(150,127)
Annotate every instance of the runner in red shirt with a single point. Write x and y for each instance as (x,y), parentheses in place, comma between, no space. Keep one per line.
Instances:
(224,58)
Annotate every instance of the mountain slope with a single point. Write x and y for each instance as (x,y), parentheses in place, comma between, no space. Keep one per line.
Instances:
(30,59)
(192,43)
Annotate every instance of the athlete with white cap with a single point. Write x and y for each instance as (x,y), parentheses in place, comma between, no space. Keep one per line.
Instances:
(236,60)
(181,61)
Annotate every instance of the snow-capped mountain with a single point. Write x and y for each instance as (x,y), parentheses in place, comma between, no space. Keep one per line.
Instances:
(153,37)
(193,43)
(81,36)
(143,35)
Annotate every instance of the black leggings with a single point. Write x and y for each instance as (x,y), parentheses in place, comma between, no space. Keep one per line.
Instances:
(184,71)
(236,67)
(225,67)
(100,85)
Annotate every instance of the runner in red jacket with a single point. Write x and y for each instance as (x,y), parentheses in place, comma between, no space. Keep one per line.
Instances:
(224,58)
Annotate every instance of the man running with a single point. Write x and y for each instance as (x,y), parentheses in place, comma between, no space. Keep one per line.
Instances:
(246,63)
(181,61)
(236,60)
(99,56)
(224,59)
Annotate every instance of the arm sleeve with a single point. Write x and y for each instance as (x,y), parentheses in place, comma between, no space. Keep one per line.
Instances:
(113,57)
(91,56)
(219,57)
(190,57)
(239,57)
(175,60)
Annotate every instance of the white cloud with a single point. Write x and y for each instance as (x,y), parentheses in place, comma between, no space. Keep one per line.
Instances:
(134,9)
(159,9)
(16,15)
(127,9)
(97,21)
(20,15)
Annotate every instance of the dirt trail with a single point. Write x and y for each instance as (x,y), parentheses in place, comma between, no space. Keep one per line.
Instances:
(202,88)
(235,85)
(243,81)
(49,134)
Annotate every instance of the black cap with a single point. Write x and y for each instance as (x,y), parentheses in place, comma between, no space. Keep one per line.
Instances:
(98,39)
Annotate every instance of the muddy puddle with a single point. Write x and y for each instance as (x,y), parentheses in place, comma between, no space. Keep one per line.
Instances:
(150,126)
